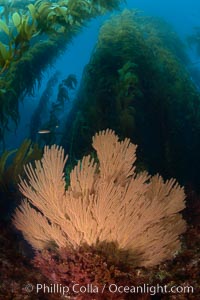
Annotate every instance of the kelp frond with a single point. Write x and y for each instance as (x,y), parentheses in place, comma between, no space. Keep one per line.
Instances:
(23,56)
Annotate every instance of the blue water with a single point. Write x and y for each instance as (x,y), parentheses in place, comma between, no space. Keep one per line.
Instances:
(182,15)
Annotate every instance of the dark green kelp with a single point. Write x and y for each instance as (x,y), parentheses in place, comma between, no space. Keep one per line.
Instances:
(32,36)
(137,83)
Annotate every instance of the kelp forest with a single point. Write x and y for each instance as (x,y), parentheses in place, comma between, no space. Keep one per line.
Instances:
(101,195)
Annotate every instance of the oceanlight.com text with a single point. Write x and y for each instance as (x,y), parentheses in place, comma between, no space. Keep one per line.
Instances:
(76,288)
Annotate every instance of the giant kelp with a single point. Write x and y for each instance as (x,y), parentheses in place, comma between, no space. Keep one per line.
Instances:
(194,39)
(42,107)
(27,34)
(137,83)
(22,76)
(40,17)
(11,167)
(46,119)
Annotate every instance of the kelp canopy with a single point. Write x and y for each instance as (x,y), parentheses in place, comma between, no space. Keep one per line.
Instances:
(137,84)
(32,34)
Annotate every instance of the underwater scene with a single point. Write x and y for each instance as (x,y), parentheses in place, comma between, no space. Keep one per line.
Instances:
(99,149)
